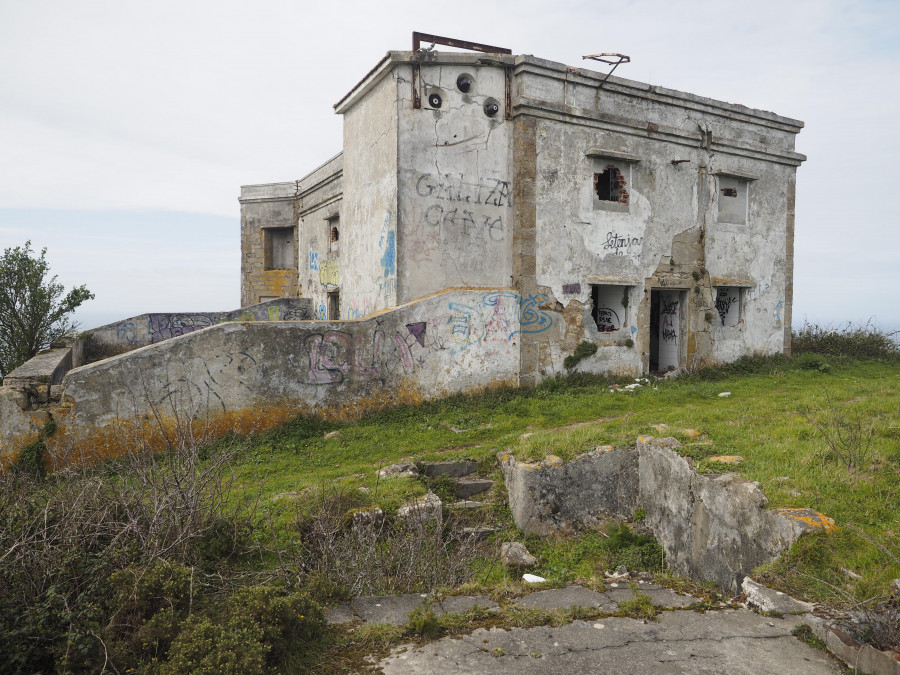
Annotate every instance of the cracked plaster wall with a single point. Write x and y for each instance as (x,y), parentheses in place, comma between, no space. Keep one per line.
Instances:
(668,236)
(455,182)
(368,246)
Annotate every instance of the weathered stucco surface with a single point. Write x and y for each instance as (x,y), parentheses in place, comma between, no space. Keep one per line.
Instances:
(252,375)
(147,329)
(713,527)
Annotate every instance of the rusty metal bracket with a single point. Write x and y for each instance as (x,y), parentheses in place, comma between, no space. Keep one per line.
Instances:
(416,75)
(418,38)
(610,58)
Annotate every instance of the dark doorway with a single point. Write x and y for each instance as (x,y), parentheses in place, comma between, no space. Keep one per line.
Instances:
(334,306)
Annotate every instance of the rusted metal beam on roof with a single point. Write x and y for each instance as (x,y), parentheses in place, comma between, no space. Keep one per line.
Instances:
(612,58)
(418,38)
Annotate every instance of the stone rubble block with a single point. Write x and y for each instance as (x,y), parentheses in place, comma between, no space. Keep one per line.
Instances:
(423,510)
(553,497)
(399,470)
(769,600)
(469,487)
(514,554)
(456,469)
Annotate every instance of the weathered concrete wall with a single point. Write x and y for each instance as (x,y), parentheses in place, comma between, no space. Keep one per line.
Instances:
(713,527)
(455,178)
(264,207)
(368,247)
(318,208)
(146,329)
(251,376)
(673,230)
(573,496)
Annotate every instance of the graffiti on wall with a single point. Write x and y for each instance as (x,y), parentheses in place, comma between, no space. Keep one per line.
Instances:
(357,309)
(387,244)
(455,206)
(621,244)
(338,356)
(668,314)
(313,261)
(499,316)
(329,272)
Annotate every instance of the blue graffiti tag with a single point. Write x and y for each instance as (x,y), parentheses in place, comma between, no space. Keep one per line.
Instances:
(389,259)
(533,319)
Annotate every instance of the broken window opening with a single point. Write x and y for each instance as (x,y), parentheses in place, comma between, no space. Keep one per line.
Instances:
(334,233)
(278,248)
(733,195)
(609,185)
(609,307)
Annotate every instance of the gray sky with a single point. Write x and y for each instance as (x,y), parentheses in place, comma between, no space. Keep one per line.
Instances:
(127,127)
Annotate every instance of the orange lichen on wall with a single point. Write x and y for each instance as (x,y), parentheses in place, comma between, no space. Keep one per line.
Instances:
(160,430)
(280,283)
(812,519)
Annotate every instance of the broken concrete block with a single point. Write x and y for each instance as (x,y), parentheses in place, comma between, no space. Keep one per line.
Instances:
(514,554)
(364,520)
(421,511)
(468,487)
(399,470)
(769,600)
(456,469)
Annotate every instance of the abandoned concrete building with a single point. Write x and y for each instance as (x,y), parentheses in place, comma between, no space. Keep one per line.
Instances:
(654,223)
(488,213)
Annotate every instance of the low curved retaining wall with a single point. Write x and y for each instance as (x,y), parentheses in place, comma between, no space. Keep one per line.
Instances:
(251,376)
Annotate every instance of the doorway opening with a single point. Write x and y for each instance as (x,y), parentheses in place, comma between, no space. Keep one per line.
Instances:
(665,330)
(334,305)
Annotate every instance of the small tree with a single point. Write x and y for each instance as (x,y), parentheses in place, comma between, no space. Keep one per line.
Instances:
(33,310)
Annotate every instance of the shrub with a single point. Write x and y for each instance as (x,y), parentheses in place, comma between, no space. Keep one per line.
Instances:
(848,341)
(206,647)
(283,618)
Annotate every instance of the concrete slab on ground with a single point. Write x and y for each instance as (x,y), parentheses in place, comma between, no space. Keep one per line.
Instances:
(733,641)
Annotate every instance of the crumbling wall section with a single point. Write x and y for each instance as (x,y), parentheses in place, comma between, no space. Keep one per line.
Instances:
(713,527)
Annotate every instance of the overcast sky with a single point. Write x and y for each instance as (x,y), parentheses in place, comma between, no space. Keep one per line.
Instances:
(127,127)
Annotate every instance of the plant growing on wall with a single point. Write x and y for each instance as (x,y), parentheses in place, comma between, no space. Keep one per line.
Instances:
(33,310)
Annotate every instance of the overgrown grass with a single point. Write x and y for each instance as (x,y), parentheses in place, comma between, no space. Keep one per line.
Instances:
(122,591)
(766,420)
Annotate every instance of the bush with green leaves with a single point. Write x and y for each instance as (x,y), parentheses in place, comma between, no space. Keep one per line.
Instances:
(33,310)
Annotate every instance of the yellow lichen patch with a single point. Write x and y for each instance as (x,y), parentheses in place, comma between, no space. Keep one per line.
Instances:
(812,519)
(603,448)
(660,427)
(727,459)
(553,460)
(691,433)
(644,439)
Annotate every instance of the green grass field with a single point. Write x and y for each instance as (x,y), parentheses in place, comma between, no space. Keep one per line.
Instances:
(769,419)
(221,558)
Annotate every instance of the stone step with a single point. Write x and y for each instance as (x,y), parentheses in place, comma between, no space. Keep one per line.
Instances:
(468,487)
(455,469)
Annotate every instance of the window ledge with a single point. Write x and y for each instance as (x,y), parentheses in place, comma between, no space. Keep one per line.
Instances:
(612,154)
(735,174)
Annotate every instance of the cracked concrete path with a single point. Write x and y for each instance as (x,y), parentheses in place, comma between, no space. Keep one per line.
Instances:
(733,641)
